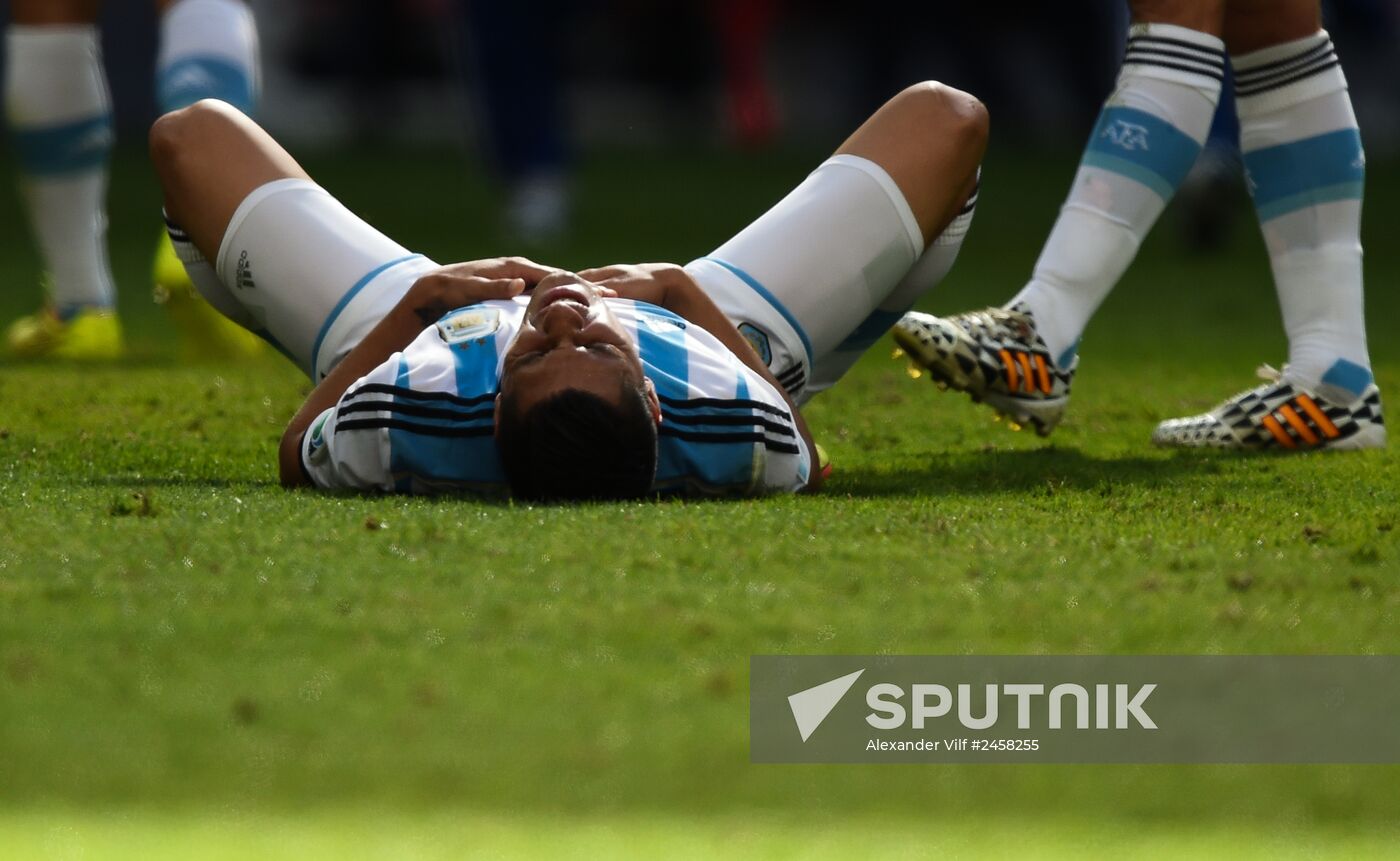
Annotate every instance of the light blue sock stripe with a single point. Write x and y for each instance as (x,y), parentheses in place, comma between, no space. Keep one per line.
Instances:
(1320,169)
(345,300)
(1349,376)
(1143,147)
(190,79)
(1132,170)
(1311,197)
(771,300)
(62,150)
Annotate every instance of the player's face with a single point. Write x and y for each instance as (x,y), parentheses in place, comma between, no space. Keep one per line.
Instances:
(570,339)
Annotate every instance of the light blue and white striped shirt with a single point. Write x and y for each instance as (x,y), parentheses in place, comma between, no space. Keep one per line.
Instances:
(422,422)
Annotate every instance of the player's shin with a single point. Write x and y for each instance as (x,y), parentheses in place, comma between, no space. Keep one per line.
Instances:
(1306,169)
(1145,142)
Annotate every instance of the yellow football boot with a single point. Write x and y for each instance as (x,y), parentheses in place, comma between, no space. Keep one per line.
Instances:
(89,335)
(205,334)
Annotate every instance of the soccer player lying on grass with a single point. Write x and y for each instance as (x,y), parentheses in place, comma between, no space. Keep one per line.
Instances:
(616,382)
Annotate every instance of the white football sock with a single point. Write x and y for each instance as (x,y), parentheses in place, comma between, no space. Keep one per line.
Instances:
(61,118)
(1145,142)
(208,50)
(1306,168)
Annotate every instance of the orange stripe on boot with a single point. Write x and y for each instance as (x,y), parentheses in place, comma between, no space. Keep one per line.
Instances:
(1298,424)
(1279,433)
(1319,418)
(1010,364)
(1026,371)
(1043,373)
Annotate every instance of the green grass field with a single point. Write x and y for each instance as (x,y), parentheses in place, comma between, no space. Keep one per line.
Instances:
(195,663)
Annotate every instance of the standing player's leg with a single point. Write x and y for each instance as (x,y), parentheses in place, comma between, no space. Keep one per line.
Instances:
(1146,140)
(1306,168)
(289,261)
(824,273)
(208,50)
(61,120)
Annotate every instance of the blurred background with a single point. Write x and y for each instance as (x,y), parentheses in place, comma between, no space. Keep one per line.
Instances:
(526,89)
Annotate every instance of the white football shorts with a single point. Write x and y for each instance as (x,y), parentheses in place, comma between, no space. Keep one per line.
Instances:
(311,273)
(796,282)
(799,280)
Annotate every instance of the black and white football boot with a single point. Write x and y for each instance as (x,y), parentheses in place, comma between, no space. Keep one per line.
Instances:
(1283,414)
(996,356)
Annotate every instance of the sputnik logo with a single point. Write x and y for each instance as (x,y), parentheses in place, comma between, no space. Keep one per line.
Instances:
(810,707)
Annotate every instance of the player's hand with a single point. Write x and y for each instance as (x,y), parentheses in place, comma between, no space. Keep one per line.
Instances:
(461,284)
(642,282)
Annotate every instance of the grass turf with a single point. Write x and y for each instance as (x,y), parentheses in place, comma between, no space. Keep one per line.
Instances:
(190,655)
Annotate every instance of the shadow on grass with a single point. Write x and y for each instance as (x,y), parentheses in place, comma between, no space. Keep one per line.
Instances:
(1045,469)
(968,473)
(146,482)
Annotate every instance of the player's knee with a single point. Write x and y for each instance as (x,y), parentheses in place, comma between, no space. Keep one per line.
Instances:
(178,137)
(946,111)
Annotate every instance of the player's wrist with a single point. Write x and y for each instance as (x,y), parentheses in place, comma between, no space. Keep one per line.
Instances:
(424,303)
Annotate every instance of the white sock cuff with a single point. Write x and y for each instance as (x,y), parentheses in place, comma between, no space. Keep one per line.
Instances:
(1284,75)
(1178,54)
(183,245)
(962,222)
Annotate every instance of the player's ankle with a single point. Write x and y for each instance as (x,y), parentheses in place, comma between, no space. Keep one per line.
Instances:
(1060,336)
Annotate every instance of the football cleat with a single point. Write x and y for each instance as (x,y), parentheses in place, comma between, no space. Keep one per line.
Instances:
(205,334)
(88,335)
(996,357)
(1283,414)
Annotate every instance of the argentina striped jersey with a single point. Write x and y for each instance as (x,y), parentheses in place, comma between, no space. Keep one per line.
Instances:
(423,421)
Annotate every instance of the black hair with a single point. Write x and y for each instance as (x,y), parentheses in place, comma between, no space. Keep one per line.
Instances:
(575,445)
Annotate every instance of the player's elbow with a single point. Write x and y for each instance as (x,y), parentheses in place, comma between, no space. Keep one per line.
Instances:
(290,471)
(948,113)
